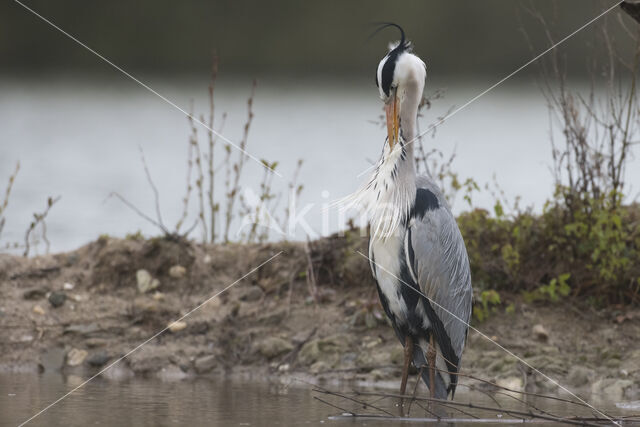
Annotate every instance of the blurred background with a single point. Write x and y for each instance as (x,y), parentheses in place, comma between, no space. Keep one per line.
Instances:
(76,124)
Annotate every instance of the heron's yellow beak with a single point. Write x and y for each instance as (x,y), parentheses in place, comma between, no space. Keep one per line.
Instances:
(391,109)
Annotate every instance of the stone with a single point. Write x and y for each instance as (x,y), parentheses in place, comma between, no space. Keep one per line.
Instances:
(35,293)
(171,373)
(98,359)
(613,389)
(540,333)
(177,326)
(273,347)
(368,360)
(52,359)
(145,282)
(57,299)
(38,310)
(284,367)
(326,349)
(319,367)
(75,357)
(631,362)
(177,272)
(82,328)
(579,376)
(96,342)
(254,293)
(205,364)
(511,383)
(397,355)
(68,286)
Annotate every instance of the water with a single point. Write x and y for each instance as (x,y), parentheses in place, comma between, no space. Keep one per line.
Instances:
(149,402)
(79,139)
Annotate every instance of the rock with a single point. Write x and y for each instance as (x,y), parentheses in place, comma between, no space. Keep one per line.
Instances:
(512,383)
(273,347)
(371,359)
(145,282)
(613,389)
(98,359)
(396,356)
(38,310)
(177,272)
(96,342)
(68,286)
(254,293)
(326,349)
(309,353)
(319,367)
(631,362)
(57,299)
(52,359)
(325,295)
(205,364)
(75,357)
(171,373)
(177,326)
(83,329)
(579,376)
(540,333)
(35,293)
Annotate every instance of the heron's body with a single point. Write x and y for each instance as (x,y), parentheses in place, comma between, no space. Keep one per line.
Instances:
(417,253)
(429,255)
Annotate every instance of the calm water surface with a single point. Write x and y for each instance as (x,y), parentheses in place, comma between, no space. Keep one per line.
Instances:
(80,139)
(146,402)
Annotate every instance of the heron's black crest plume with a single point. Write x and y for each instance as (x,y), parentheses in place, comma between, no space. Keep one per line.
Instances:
(390,63)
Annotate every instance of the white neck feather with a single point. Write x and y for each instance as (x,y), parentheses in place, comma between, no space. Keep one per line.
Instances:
(390,193)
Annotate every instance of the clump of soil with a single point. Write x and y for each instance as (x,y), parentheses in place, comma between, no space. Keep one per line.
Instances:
(77,312)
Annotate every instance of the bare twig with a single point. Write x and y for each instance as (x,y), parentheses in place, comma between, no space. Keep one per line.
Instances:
(156,194)
(39,219)
(7,193)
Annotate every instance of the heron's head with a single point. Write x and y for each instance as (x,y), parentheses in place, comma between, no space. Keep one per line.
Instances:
(398,73)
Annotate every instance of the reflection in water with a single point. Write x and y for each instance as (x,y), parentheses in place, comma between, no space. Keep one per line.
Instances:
(150,402)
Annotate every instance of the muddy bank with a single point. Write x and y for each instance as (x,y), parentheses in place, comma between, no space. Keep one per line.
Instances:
(78,312)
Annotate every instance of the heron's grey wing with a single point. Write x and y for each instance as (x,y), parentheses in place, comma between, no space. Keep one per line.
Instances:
(439,264)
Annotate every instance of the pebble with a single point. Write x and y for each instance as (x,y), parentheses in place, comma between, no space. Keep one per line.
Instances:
(57,299)
(177,326)
(205,364)
(68,286)
(272,347)
(75,356)
(52,359)
(35,293)
(540,333)
(177,272)
(254,293)
(38,310)
(145,282)
(98,359)
(579,376)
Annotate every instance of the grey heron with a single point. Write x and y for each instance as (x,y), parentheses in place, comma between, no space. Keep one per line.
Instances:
(417,254)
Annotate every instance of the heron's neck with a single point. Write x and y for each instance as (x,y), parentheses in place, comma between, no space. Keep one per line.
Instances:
(410,97)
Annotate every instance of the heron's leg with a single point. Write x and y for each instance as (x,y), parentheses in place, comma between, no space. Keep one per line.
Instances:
(408,353)
(431,360)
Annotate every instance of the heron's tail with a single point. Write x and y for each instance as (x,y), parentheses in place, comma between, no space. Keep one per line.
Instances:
(420,360)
